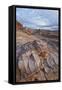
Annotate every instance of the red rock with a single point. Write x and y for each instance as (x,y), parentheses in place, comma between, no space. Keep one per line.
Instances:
(18,26)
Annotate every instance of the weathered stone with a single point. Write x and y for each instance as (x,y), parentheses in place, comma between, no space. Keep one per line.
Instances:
(21,68)
(41,75)
(17,74)
(25,61)
(36,62)
(19,26)
(50,61)
(55,56)
(45,66)
(32,65)
(52,76)
(36,58)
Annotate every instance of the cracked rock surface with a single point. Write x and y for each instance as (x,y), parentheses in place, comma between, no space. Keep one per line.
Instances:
(36,58)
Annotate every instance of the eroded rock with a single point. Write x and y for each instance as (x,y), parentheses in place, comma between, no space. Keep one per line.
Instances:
(36,62)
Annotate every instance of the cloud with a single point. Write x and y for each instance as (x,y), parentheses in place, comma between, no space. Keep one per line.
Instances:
(36,17)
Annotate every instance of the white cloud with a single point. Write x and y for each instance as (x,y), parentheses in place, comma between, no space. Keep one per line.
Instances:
(37,17)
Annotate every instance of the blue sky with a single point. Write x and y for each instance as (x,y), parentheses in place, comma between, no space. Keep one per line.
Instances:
(37,18)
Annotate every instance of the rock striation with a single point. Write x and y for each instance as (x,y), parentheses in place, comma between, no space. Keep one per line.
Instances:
(36,62)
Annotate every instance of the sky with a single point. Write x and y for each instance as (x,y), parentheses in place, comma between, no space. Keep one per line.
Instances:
(37,18)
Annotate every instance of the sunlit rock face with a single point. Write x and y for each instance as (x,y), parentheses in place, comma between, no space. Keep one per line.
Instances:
(18,26)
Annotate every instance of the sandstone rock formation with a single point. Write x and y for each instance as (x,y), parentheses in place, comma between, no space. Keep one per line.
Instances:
(36,58)
(18,26)
(35,63)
